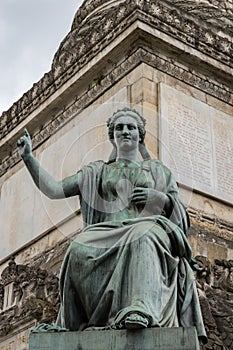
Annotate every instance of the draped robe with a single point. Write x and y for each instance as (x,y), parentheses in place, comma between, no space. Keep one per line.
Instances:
(127,258)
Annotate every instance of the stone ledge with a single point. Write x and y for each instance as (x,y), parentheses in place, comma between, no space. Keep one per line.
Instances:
(147,339)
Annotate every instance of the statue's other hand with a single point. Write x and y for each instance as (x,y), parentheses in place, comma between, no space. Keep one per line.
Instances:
(24,144)
(148,196)
(143,195)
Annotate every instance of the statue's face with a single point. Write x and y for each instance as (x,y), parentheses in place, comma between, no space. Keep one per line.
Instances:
(126,133)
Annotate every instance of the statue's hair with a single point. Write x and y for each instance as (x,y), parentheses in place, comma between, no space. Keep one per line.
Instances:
(141,122)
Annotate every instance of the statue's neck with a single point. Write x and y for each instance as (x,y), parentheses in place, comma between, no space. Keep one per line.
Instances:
(131,155)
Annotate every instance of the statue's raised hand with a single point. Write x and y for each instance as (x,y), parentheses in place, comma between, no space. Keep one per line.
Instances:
(25,145)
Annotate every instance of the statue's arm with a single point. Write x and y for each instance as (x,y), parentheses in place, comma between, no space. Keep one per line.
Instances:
(44,181)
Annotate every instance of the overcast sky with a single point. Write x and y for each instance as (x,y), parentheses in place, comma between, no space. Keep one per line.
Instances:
(30,33)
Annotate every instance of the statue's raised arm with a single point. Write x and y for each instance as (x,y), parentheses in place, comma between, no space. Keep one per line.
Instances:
(44,181)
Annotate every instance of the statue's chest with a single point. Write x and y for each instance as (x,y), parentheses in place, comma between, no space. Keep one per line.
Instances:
(121,180)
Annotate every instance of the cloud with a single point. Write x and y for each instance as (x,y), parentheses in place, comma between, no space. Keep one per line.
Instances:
(30,34)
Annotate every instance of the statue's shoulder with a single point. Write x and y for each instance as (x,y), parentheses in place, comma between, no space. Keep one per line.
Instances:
(153,163)
(94,166)
(156,164)
(97,163)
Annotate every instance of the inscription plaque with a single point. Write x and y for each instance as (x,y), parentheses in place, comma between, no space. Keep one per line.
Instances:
(196,143)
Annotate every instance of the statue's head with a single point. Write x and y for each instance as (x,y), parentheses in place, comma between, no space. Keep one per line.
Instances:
(127,112)
(140,121)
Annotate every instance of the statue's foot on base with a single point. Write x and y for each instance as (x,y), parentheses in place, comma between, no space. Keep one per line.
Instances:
(136,321)
(45,327)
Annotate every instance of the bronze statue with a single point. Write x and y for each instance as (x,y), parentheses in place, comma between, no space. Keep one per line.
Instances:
(130,266)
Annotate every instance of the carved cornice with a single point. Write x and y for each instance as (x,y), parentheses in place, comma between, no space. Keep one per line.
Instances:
(94,28)
(180,19)
(140,55)
(218,13)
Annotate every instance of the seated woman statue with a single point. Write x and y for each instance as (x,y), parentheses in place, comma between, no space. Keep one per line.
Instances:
(130,267)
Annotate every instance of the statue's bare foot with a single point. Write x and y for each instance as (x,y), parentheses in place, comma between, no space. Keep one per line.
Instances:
(136,321)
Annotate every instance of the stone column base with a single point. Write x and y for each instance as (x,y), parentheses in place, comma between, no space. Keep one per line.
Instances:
(146,339)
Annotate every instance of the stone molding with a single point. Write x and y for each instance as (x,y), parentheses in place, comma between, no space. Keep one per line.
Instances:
(140,55)
(182,20)
(214,222)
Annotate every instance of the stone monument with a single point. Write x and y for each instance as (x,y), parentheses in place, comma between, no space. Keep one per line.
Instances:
(172,62)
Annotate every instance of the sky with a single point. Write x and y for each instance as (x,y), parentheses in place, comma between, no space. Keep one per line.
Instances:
(30,34)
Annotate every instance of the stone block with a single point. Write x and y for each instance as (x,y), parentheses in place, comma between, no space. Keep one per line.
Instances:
(148,71)
(147,339)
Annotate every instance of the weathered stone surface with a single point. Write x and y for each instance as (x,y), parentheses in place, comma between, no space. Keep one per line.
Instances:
(148,339)
(27,293)
(19,340)
(215,288)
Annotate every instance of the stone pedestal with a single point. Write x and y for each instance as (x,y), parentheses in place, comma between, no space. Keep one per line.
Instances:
(147,339)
